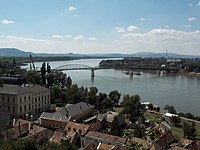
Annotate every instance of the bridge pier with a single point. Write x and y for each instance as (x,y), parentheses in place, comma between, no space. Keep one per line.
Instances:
(92,72)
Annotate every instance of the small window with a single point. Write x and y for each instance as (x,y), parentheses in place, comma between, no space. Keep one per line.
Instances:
(8,99)
(29,97)
(13,109)
(20,99)
(25,108)
(20,109)
(3,98)
(9,108)
(29,106)
(74,130)
(13,100)
(25,98)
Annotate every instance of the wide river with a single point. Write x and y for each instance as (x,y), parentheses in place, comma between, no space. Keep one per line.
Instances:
(183,92)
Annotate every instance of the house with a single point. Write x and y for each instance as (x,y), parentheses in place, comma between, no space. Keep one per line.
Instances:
(61,135)
(104,138)
(72,112)
(53,120)
(20,129)
(94,145)
(94,123)
(177,148)
(188,144)
(162,141)
(4,118)
(78,111)
(39,134)
(110,116)
(82,129)
(23,100)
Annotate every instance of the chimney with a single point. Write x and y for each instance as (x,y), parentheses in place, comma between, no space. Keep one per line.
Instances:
(13,122)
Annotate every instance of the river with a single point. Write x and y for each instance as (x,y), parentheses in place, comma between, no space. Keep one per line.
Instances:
(183,92)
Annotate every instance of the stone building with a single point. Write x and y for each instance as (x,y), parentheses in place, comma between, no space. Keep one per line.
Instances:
(24,100)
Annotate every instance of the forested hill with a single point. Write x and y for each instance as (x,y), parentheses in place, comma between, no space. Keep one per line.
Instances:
(13,52)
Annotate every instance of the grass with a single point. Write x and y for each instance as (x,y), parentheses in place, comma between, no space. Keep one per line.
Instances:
(177,131)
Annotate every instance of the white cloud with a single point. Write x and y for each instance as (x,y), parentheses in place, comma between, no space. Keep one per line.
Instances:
(159,39)
(68,36)
(119,30)
(57,36)
(72,8)
(79,37)
(167,26)
(142,19)
(190,5)
(198,4)
(5,21)
(132,28)
(92,39)
(191,19)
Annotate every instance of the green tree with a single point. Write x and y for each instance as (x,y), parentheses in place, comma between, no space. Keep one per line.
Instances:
(114,96)
(189,130)
(134,146)
(43,73)
(92,95)
(170,109)
(132,107)
(33,77)
(176,120)
(116,129)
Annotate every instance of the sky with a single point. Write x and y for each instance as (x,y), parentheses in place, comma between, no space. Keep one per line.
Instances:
(101,26)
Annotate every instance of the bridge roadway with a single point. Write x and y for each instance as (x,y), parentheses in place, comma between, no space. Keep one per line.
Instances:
(86,67)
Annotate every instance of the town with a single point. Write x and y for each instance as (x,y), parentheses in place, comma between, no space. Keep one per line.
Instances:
(45,110)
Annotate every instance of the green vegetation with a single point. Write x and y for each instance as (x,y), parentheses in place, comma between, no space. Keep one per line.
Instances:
(28,144)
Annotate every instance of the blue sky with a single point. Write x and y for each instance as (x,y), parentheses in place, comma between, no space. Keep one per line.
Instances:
(101,26)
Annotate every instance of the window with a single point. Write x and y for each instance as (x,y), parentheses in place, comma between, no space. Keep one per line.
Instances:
(20,109)
(36,100)
(3,98)
(29,106)
(13,100)
(29,97)
(20,100)
(25,108)
(9,108)
(8,99)
(69,128)
(24,98)
(13,109)
(39,99)
(74,129)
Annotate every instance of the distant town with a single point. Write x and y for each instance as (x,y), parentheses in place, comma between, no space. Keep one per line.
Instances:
(43,110)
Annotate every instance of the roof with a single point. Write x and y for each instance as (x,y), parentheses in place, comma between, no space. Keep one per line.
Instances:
(161,142)
(39,133)
(144,143)
(16,89)
(170,115)
(185,142)
(76,109)
(77,127)
(17,131)
(60,135)
(177,148)
(54,116)
(17,122)
(107,137)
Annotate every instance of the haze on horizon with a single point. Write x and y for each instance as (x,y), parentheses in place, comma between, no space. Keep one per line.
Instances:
(94,26)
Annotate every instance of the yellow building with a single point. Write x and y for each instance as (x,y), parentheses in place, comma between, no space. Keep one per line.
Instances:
(25,99)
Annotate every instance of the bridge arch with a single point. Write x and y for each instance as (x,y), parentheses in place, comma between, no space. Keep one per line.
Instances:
(73,67)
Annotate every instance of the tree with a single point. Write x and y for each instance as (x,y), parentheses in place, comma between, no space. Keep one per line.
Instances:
(48,68)
(114,96)
(33,77)
(43,73)
(92,95)
(176,120)
(134,146)
(170,109)
(132,107)
(189,130)
(116,129)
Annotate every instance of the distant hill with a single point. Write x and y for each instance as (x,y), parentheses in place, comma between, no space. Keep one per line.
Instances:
(13,52)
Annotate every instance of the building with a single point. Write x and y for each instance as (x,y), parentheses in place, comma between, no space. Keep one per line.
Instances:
(53,120)
(24,100)
(72,112)
(78,111)
(104,138)
(4,118)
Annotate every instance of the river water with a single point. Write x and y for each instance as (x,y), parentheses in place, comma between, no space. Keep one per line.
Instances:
(183,92)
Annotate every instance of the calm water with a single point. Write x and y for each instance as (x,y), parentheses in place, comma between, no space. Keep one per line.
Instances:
(181,91)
